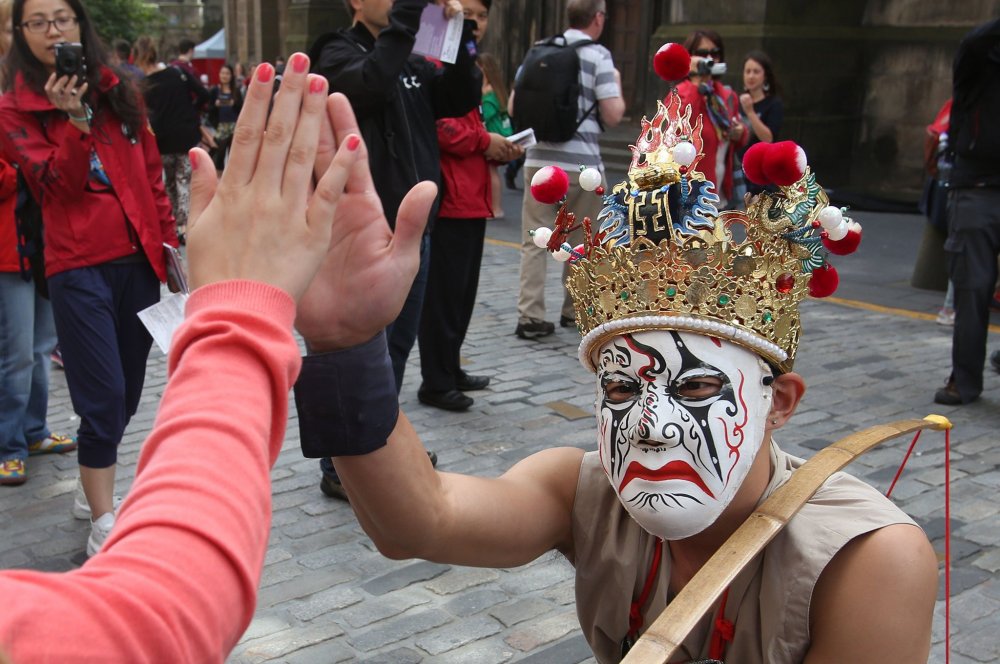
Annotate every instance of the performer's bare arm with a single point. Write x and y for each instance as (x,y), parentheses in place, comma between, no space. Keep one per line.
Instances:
(408,508)
(874,602)
(412,511)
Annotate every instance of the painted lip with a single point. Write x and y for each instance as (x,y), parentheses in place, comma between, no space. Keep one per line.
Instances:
(675,470)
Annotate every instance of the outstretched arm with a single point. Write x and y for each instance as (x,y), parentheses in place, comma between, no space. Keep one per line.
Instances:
(874,602)
(176,580)
(408,508)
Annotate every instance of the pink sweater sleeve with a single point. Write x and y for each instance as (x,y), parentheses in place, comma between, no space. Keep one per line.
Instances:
(177,578)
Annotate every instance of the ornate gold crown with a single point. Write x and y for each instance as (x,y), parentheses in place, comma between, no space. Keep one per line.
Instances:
(663,256)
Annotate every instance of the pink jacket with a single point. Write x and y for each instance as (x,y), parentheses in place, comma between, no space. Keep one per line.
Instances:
(177,579)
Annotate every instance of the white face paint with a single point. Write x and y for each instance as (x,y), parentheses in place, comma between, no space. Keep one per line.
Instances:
(680,420)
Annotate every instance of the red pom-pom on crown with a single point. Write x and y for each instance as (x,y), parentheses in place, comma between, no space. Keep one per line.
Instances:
(824,281)
(782,163)
(785,163)
(672,62)
(847,244)
(549,185)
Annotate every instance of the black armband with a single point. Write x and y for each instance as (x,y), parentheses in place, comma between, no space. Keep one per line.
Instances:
(346,400)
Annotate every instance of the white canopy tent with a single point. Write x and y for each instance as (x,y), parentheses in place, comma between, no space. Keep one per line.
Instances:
(212,48)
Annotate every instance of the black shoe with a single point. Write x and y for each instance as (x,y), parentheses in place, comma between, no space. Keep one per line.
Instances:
(330,484)
(995,360)
(447,400)
(469,383)
(535,329)
(949,396)
(508,177)
(566,321)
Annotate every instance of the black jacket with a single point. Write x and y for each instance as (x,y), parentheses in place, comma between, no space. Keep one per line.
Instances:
(398,96)
(974,132)
(175,118)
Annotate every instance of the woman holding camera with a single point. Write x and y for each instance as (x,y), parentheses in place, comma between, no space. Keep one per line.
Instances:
(718,107)
(77,129)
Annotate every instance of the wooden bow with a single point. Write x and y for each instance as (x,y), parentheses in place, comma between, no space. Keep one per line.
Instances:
(669,630)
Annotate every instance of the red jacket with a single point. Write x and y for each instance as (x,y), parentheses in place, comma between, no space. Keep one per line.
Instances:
(86,222)
(689,94)
(466,192)
(8,227)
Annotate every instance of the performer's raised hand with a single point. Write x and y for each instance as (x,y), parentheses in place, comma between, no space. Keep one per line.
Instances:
(368,269)
(258,222)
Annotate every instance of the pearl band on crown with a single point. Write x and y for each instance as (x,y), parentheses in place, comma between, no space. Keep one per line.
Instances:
(681,324)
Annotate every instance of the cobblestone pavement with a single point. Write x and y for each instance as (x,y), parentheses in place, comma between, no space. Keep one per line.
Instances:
(328,596)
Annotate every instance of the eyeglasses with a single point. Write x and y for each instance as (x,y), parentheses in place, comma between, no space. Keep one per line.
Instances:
(705,52)
(41,25)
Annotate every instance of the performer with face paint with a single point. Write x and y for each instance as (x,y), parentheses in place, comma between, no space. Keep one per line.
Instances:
(690,323)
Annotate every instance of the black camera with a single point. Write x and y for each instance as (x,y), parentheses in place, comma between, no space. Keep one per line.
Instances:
(709,67)
(70,61)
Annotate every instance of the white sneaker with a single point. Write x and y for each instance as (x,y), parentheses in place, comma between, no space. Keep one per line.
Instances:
(945,316)
(99,531)
(81,508)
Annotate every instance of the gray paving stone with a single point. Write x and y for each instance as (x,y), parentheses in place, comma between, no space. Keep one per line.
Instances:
(457,634)
(396,629)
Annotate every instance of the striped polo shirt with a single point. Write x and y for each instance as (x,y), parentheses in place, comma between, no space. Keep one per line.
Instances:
(597,81)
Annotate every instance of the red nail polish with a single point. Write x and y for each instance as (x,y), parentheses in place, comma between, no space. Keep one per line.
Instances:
(193,158)
(316,84)
(353,142)
(300,63)
(264,72)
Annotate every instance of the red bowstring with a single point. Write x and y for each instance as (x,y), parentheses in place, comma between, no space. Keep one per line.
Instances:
(947,530)
(947,545)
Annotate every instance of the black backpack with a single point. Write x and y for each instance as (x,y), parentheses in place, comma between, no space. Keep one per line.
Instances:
(30,245)
(547,92)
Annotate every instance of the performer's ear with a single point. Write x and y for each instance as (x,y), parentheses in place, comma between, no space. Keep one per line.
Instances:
(786,390)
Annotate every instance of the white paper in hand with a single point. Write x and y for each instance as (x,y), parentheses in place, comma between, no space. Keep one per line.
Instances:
(438,36)
(163,318)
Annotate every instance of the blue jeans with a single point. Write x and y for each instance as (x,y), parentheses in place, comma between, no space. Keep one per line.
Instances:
(27,338)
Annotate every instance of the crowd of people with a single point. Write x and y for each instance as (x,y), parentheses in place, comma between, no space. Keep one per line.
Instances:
(377,166)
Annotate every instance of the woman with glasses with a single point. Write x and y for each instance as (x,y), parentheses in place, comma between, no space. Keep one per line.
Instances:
(718,107)
(83,145)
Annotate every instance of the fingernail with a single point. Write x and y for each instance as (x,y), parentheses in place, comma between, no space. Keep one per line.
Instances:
(300,63)
(353,142)
(316,84)
(264,72)
(193,158)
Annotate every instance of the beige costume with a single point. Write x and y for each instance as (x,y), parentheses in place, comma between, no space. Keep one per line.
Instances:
(769,600)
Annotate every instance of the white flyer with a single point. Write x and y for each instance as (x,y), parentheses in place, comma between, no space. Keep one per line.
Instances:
(163,318)
(438,36)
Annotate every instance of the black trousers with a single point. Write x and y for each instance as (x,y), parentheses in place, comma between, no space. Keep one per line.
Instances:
(973,245)
(452,282)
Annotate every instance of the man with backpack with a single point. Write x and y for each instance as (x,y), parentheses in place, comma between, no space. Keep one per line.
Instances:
(974,216)
(536,99)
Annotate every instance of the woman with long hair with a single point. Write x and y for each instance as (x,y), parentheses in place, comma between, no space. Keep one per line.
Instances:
(83,144)
(760,103)
(224,109)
